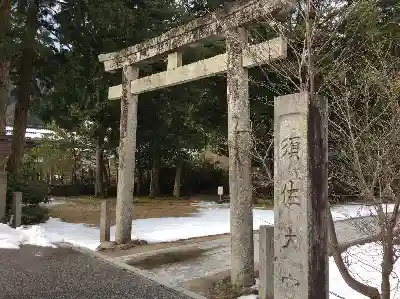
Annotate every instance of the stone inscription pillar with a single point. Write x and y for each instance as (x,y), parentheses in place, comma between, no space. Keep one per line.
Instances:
(126,165)
(300,194)
(239,141)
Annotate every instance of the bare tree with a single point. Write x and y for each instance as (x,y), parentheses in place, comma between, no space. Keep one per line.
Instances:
(344,51)
(365,126)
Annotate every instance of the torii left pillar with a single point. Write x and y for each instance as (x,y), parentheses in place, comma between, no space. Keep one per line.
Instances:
(239,140)
(127,149)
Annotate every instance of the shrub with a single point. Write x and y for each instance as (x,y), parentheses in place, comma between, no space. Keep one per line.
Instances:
(34,215)
(70,190)
(34,192)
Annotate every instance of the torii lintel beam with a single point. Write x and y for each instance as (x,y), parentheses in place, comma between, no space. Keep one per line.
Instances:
(254,55)
(210,26)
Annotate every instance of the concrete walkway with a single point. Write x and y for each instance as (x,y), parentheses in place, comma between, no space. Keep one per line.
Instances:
(216,257)
(47,273)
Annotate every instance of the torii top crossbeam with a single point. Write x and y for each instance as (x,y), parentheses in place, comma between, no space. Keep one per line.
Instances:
(208,27)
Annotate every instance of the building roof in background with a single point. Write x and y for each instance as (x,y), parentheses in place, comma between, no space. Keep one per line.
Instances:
(32,132)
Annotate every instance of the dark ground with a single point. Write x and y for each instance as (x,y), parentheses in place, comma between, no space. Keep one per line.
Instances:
(56,273)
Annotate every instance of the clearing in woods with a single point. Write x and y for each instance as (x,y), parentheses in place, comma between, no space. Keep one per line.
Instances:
(87,210)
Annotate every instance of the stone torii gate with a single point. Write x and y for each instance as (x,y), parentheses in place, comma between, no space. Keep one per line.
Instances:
(228,23)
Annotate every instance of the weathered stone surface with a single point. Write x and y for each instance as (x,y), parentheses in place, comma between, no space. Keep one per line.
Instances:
(239,142)
(266,257)
(253,55)
(174,60)
(17,209)
(3,194)
(198,30)
(106,245)
(105,220)
(111,246)
(126,166)
(301,259)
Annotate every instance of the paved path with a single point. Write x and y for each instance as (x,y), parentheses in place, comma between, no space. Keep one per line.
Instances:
(217,256)
(48,273)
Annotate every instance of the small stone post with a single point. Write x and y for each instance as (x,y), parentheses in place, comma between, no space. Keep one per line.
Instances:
(239,141)
(266,262)
(3,194)
(105,220)
(126,165)
(17,209)
(301,198)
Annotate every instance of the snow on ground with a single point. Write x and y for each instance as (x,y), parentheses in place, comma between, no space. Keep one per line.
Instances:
(212,219)
(12,238)
(364,264)
(342,212)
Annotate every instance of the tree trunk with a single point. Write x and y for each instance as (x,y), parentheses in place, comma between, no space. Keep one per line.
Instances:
(4,69)
(387,267)
(91,176)
(138,182)
(99,186)
(5,9)
(155,178)
(74,169)
(178,175)
(82,176)
(388,257)
(106,180)
(51,176)
(108,171)
(25,88)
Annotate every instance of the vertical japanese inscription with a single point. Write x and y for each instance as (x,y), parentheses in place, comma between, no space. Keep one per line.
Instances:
(290,194)
(291,185)
(290,147)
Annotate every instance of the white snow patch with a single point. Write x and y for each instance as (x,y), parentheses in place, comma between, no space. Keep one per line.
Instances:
(9,238)
(82,235)
(209,221)
(248,297)
(212,219)
(54,201)
(13,238)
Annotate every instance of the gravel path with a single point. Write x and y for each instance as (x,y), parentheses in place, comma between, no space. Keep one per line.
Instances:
(47,273)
